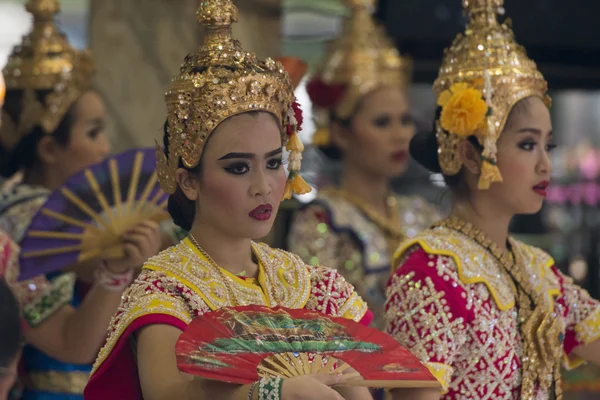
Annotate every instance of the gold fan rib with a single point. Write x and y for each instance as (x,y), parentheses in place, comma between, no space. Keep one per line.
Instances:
(305,363)
(116,186)
(390,384)
(348,376)
(52,252)
(135,179)
(292,368)
(83,207)
(55,235)
(282,370)
(144,198)
(330,365)
(164,204)
(69,220)
(317,363)
(341,368)
(157,196)
(269,371)
(100,196)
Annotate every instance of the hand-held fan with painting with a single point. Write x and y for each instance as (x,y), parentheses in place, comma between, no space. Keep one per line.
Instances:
(243,344)
(85,218)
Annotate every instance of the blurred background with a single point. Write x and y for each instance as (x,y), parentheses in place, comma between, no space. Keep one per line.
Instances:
(139,44)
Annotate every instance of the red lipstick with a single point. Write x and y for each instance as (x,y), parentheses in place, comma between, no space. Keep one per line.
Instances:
(542,188)
(400,156)
(262,212)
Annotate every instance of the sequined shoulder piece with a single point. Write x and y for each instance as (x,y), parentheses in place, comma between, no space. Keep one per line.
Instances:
(540,263)
(153,293)
(331,294)
(17,208)
(284,275)
(473,263)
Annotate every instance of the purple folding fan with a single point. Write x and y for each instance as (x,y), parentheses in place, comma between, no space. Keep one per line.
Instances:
(85,217)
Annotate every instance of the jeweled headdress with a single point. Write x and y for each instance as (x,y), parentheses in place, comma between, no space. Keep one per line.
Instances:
(360,60)
(485,72)
(45,61)
(221,80)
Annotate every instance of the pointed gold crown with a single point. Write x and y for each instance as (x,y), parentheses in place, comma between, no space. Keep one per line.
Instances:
(45,61)
(218,81)
(485,58)
(361,60)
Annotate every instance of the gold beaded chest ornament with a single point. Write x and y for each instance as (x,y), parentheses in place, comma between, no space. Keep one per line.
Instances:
(361,60)
(219,81)
(44,61)
(484,73)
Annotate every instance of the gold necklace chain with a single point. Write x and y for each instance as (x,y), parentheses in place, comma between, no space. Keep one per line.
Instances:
(226,279)
(216,267)
(540,330)
(388,224)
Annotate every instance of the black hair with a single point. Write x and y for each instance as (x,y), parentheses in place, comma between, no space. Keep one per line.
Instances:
(424,149)
(10,328)
(25,156)
(181,209)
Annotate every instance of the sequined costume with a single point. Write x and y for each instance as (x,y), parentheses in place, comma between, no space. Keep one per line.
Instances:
(454,306)
(180,283)
(337,229)
(44,61)
(344,234)
(490,323)
(45,377)
(219,81)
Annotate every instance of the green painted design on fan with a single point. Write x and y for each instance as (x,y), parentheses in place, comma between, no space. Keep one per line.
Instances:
(253,324)
(262,344)
(209,362)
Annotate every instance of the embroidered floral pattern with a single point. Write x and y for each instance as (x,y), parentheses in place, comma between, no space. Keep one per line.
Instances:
(181,283)
(450,304)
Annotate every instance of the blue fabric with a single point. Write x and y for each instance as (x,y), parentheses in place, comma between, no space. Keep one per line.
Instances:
(35,360)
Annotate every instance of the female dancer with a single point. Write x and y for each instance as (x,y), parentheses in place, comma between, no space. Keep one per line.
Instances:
(492,317)
(361,103)
(228,115)
(53,126)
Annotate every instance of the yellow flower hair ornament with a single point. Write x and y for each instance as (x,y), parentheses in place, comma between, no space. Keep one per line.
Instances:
(295,183)
(464,110)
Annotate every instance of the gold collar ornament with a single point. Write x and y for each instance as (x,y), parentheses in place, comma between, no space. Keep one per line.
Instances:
(361,60)
(484,73)
(219,81)
(541,329)
(44,61)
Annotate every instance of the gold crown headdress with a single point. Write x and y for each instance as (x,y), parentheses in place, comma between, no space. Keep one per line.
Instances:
(45,61)
(219,81)
(361,60)
(485,72)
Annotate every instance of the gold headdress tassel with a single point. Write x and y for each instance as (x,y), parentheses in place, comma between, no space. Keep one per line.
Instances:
(489,168)
(295,183)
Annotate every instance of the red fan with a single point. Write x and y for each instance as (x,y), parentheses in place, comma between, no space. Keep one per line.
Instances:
(242,344)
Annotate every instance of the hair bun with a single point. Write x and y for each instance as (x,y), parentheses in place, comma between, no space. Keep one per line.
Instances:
(424,149)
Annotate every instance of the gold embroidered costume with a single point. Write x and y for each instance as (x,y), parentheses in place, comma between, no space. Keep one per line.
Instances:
(490,324)
(220,81)
(339,231)
(453,304)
